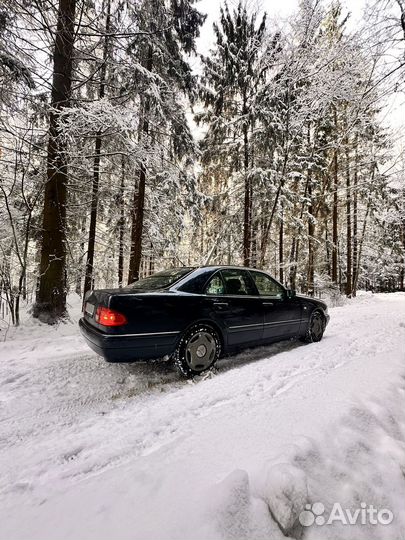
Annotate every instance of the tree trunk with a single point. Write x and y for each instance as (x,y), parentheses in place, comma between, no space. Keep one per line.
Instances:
(328,265)
(402,271)
(78,287)
(281,249)
(267,228)
(247,217)
(50,303)
(360,247)
(121,228)
(348,222)
(254,254)
(355,242)
(335,207)
(137,227)
(311,225)
(88,278)
(402,239)
(151,268)
(311,232)
(293,268)
(139,195)
(363,232)
(22,282)
(295,246)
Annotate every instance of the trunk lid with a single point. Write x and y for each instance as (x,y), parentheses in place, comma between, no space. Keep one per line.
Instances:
(95,299)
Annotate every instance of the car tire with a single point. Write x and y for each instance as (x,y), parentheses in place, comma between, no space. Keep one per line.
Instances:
(315,329)
(198,350)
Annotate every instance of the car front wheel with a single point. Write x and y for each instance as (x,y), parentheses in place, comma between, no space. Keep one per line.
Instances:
(198,350)
(316,328)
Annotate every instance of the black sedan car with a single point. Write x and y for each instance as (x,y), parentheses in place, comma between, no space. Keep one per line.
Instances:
(194,315)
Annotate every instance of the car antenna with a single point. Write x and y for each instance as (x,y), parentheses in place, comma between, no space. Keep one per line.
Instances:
(180,261)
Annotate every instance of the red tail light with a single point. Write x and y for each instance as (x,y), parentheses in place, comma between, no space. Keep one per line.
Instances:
(109,317)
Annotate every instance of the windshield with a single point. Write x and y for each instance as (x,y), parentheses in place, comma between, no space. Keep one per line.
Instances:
(160,280)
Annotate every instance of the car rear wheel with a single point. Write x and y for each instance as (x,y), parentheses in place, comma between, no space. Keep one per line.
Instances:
(198,350)
(316,328)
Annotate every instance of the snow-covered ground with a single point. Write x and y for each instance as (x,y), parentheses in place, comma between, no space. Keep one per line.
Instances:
(93,451)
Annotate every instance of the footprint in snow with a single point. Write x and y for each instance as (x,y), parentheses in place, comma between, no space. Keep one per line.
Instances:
(70,456)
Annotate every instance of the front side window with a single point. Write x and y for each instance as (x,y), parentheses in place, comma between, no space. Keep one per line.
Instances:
(267,286)
(237,282)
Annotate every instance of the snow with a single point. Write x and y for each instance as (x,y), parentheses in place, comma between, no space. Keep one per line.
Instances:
(91,450)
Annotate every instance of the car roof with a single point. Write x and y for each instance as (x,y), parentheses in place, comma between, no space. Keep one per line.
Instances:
(231,266)
(212,267)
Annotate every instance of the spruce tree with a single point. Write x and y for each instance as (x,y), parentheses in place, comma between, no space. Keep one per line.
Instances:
(168,34)
(231,78)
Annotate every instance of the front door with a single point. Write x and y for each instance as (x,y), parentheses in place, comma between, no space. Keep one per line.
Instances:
(235,302)
(282,315)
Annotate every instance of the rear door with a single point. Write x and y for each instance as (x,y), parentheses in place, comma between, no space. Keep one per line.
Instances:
(282,315)
(234,301)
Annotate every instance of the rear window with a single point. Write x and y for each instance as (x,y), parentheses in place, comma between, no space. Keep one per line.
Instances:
(160,280)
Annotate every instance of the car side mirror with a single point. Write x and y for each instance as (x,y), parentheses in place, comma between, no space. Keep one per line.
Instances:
(290,293)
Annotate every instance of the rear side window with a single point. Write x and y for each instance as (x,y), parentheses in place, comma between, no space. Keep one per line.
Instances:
(196,284)
(266,285)
(216,285)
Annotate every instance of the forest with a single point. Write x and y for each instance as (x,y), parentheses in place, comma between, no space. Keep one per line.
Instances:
(124,150)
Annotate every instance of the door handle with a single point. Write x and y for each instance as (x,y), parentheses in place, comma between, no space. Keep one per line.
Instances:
(220,305)
(268,303)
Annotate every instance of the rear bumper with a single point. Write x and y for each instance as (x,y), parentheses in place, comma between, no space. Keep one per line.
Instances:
(128,348)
